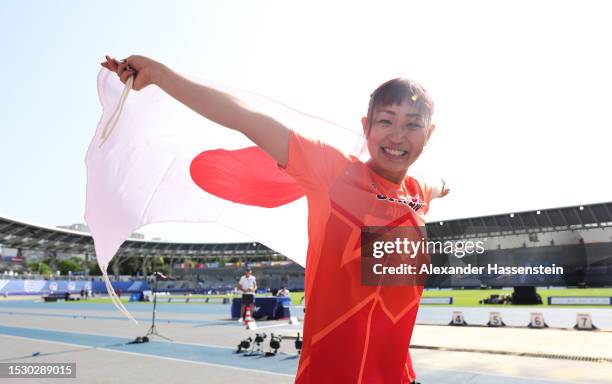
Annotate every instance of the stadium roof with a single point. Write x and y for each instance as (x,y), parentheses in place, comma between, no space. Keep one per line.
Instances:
(545,220)
(18,234)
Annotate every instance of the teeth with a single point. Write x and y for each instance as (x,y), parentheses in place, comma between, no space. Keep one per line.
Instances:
(394,152)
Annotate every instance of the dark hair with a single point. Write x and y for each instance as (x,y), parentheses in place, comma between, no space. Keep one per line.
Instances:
(395,91)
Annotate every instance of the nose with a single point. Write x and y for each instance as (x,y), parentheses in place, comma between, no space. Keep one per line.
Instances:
(397,135)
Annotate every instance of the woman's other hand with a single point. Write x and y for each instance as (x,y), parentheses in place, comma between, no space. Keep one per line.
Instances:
(145,70)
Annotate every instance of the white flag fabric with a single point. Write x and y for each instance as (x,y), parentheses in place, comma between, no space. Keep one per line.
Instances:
(162,162)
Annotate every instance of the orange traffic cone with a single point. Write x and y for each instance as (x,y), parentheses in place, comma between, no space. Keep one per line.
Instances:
(249,322)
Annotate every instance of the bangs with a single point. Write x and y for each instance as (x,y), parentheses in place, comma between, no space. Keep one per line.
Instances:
(396,91)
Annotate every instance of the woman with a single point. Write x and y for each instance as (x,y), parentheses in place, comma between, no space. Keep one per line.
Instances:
(353,333)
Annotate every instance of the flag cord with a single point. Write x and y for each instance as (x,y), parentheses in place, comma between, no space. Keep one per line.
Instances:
(114,298)
(106,132)
(112,122)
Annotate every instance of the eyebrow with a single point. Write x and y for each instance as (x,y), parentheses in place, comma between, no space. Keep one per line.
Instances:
(407,114)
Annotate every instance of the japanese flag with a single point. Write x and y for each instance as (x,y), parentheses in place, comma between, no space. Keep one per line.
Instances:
(153,160)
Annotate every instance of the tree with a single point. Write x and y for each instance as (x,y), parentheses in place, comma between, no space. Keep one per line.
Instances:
(94,268)
(69,265)
(39,267)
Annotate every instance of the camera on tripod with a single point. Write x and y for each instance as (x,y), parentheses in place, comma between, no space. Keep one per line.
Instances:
(244,345)
(275,342)
(256,345)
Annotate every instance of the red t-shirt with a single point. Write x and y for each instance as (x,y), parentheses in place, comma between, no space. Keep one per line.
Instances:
(352,333)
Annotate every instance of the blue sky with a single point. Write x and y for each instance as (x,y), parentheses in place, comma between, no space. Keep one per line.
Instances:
(522,90)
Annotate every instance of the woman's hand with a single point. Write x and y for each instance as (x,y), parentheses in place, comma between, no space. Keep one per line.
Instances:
(145,70)
(444,190)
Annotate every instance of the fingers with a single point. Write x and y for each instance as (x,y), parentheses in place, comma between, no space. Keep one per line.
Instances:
(125,75)
(115,65)
(110,64)
(122,68)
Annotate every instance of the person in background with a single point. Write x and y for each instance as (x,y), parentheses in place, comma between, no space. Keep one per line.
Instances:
(247,285)
(283,292)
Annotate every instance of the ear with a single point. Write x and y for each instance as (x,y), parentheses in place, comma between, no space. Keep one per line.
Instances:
(364,124)
(432,127)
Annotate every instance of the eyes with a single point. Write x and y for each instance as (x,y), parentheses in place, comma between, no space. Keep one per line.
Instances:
(409,125)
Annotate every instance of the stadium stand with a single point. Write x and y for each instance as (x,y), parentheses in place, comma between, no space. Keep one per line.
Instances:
(578,234)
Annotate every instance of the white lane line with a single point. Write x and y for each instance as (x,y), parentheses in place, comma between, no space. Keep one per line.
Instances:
(272,326)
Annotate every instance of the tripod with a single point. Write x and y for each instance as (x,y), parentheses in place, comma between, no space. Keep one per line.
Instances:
(153,329)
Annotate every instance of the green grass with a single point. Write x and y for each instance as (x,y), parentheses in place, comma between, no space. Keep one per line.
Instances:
(98,300)
(471,297)
(461,297)
(296,297)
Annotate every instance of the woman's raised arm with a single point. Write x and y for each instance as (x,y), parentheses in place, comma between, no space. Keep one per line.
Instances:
(214,104)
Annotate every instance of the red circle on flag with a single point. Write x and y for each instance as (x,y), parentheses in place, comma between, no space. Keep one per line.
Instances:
(246,176)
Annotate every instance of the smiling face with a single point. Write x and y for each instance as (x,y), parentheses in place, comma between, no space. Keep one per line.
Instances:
(395,138)
(397,127)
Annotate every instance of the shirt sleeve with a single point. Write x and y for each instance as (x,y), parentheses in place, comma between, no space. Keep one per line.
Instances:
(312,163)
